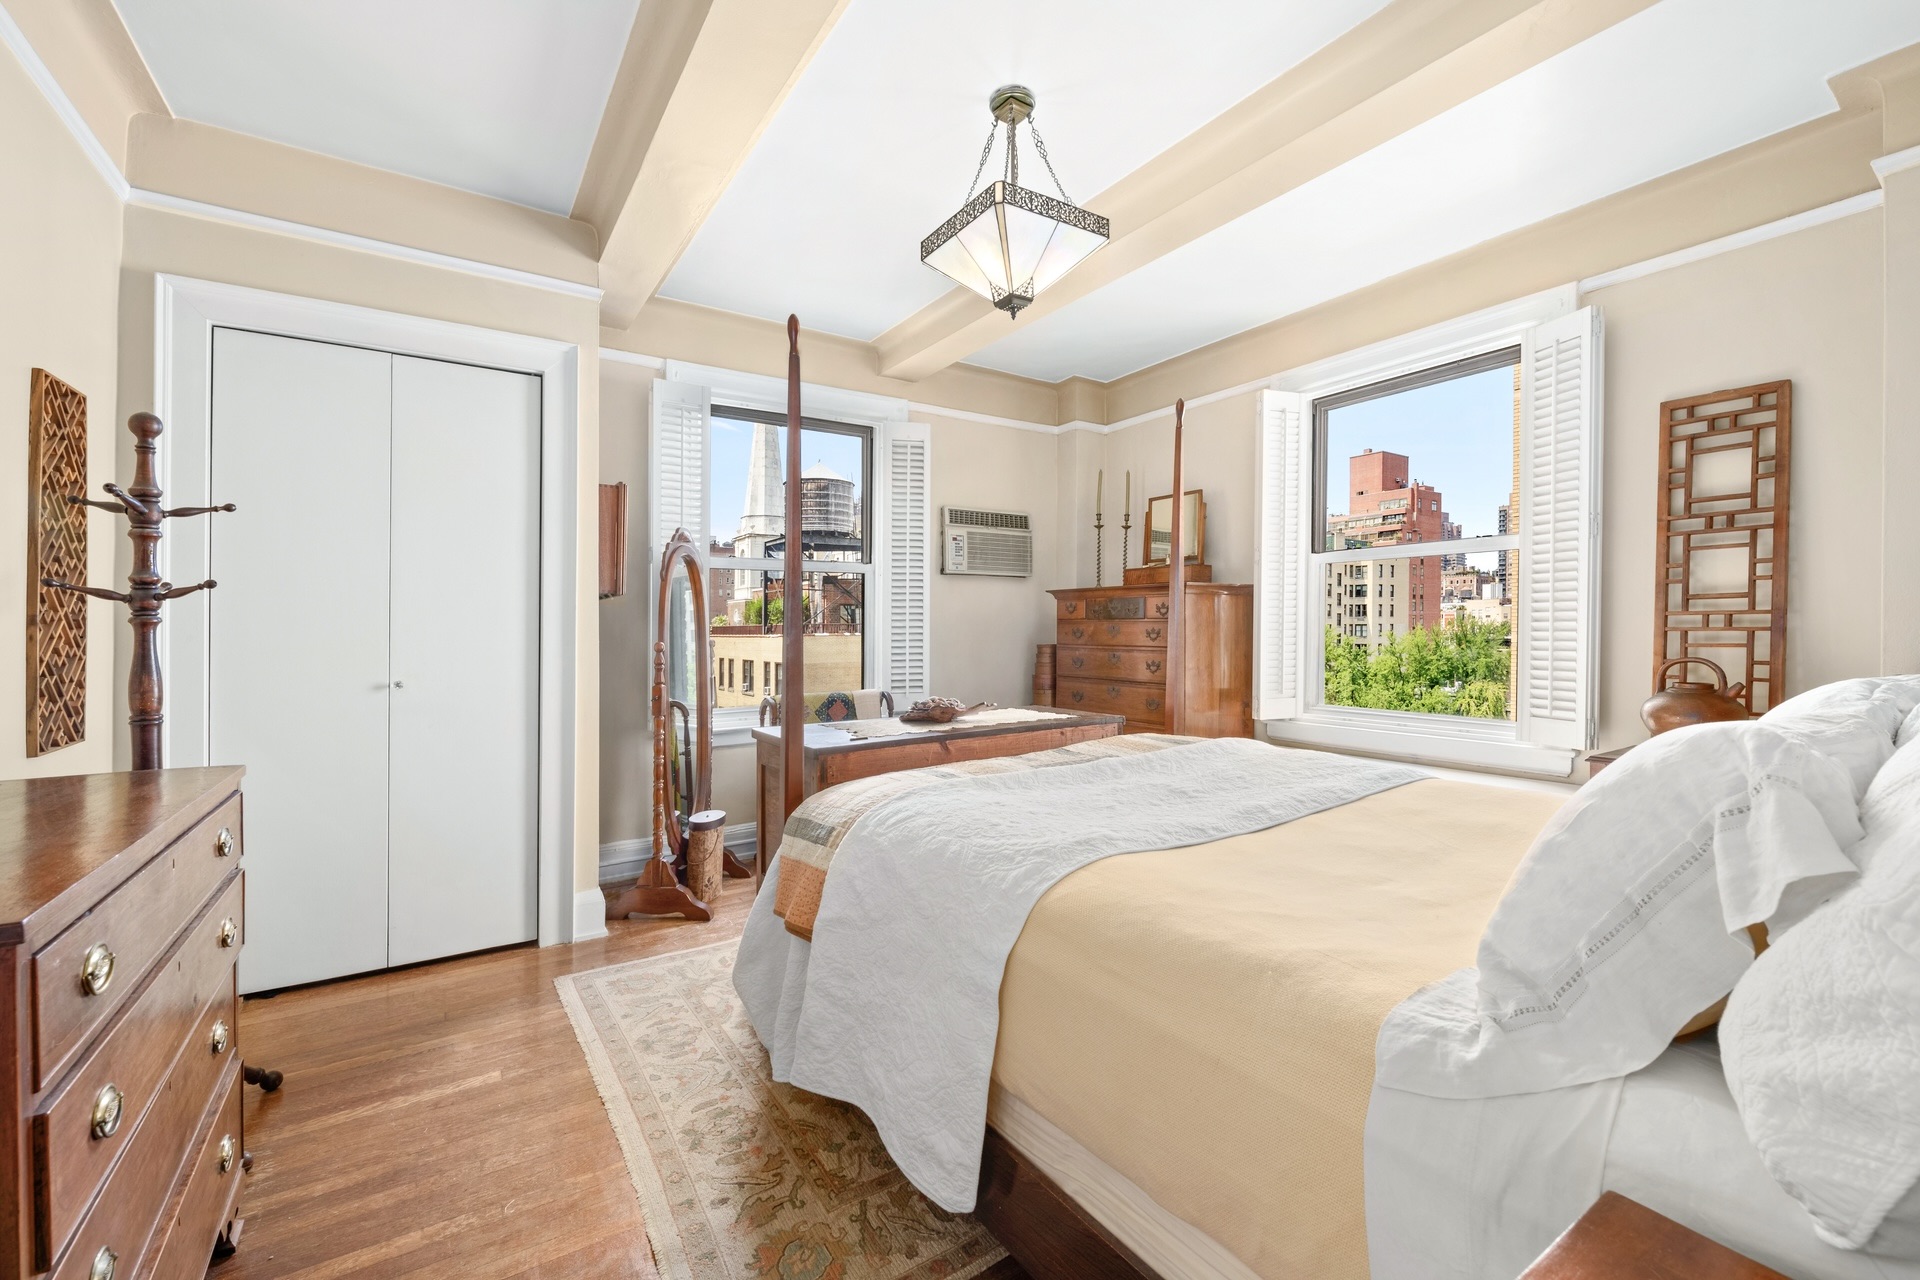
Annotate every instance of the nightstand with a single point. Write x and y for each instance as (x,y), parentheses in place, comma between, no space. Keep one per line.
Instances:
(1598,760)
(1621,1239)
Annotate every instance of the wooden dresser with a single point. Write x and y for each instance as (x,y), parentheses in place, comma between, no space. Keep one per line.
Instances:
(121,914)
(1112,656)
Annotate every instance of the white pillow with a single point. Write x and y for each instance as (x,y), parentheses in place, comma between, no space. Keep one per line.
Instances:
(1628,916)
(1821,1039)
(1854,721)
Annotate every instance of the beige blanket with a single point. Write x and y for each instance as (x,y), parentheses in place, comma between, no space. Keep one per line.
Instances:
(822,821)
(1203,1019)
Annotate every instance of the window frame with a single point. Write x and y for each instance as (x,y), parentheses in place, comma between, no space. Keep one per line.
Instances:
(1290,653)
(736,721)
(1316,706)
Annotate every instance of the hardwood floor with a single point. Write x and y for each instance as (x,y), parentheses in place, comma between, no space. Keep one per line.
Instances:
(440,1121)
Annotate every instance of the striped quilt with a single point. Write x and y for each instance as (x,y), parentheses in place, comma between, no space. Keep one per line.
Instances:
(823,819)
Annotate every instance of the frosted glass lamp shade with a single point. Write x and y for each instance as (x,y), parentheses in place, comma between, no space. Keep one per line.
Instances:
(1008,243)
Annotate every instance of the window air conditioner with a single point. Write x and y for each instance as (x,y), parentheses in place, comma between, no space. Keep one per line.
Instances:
(990,542)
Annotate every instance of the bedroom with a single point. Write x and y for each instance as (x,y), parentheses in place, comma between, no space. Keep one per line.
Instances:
(330,247)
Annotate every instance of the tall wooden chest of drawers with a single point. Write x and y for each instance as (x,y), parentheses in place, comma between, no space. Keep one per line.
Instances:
(1113,648)
(121,914)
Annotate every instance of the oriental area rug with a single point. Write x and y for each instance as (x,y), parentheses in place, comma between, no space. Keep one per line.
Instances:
(739,1177)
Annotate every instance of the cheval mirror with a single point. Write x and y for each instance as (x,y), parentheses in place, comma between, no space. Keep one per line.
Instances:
(1193,531)
(688,835)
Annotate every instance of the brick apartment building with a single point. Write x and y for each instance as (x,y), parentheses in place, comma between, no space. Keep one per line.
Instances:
(1370,602)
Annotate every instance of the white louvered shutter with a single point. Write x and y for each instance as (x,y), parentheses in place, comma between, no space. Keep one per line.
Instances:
(906,562)
(1558,603)
(1280,553)
(677,478)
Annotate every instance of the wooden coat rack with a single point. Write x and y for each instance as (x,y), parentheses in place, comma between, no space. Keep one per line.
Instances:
(140,504)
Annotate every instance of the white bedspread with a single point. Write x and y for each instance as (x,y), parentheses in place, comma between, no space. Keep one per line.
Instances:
(894,1007)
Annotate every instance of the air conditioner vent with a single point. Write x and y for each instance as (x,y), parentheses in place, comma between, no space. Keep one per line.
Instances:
(974,519)
(997,543)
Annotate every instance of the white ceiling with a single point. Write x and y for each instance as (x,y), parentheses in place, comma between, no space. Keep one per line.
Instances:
(502,97)
(875,145)
(1675,84)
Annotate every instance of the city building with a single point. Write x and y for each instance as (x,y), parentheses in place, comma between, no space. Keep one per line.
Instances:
(1371,601)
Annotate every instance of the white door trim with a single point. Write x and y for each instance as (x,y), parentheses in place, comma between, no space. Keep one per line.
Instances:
(186,313)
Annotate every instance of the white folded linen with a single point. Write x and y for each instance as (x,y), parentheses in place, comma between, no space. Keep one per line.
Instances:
(1628,916)
(1821,1038)
(1854,721)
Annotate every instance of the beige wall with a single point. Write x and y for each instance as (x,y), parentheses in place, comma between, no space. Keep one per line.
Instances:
(159,241)
(59,264)
(984,629)
(1807,306)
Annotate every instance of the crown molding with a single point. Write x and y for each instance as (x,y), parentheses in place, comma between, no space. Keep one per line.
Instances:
(43,79)
(1898,161)
(1741,239)
(363,244)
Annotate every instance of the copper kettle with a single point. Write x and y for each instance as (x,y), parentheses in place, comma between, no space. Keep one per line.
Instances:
(1687,702)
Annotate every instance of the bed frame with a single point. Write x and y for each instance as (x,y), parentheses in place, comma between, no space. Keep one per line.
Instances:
(1041,1226)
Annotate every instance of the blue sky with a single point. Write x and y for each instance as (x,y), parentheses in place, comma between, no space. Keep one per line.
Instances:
(1457,436)
(732,447)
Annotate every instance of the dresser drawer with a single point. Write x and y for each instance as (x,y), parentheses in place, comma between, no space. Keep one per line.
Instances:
(124,1216)
(87,972)
(83,1125)
(1117,608)
(1144,703)
(1146,633)
(1143,666)
(205,1202)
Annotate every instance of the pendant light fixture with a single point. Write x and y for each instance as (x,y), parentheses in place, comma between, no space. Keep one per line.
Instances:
(1007,243)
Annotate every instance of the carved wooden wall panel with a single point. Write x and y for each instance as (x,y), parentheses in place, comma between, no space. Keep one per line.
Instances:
(56,548)
(1720,581)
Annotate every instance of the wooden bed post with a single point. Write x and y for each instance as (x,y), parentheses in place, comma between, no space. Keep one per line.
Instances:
(1176,589)
(793,601)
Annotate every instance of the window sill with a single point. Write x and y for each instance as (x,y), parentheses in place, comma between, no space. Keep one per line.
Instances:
(1405,739)
(734,726)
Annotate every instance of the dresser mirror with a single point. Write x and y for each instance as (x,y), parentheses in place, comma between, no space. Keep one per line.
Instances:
(1193,528)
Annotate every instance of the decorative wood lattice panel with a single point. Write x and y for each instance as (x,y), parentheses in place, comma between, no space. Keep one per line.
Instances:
(56,548)
(1720,580)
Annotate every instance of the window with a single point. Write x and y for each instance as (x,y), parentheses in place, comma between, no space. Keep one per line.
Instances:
(1428,530)
(1385,457)
(746,594)
(867,543)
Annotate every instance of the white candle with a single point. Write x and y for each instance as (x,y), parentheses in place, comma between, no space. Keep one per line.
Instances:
(1099,488)
(1129,505)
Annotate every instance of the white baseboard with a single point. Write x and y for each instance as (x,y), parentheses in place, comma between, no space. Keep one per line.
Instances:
(621,860)
(589,915)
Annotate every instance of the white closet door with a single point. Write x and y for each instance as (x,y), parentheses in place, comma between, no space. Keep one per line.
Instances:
(297,671)
(465,600)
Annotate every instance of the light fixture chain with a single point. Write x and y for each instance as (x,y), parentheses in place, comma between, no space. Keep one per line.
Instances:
(1040,145)
(982,166)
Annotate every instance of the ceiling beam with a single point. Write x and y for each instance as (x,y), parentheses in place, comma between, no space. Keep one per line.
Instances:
(698,84)
(1406,64)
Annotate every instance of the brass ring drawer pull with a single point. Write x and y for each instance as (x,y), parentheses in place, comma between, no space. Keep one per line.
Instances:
(107,1110)
(103,1264)
(1153,633)
(229,932)
(219,1039)
(227,1152)
(1153,666)
(1160,607)
(225,842)
(1153,704)
(96,969)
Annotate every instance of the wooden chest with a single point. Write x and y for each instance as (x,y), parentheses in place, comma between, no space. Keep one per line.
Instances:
(121,915)
(1112,649)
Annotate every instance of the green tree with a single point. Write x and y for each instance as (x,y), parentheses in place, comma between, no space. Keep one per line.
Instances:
(1456,670)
